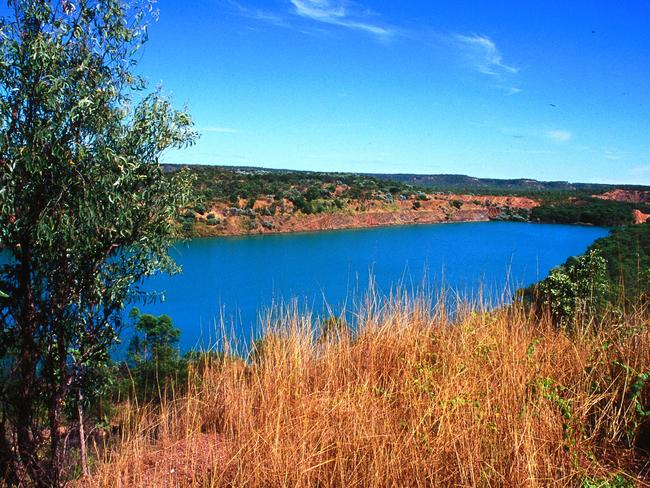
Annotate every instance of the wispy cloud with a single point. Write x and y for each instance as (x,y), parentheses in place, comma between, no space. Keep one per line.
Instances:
(478,51)
(220,130)
(511,90)
(338,12)
(258,14)
(614,155)
(559,135)
(483,55)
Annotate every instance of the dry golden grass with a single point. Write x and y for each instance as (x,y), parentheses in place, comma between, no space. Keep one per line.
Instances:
(493,399)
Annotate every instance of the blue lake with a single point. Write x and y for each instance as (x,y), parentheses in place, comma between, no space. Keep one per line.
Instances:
(237,278)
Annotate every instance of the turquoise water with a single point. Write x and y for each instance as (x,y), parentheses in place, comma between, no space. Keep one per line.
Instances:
(239,277)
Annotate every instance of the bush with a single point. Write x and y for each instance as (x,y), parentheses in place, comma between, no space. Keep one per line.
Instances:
(200,208)
(577,289)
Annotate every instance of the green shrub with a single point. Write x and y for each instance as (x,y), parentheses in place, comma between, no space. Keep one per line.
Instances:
(579,288)
(200,208)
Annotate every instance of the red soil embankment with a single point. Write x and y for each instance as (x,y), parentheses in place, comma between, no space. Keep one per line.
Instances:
(436,208)
(630,196)
(640,217)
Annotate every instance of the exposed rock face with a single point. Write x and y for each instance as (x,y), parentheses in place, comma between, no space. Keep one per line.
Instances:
(436,208)
(631,196)
(640,217)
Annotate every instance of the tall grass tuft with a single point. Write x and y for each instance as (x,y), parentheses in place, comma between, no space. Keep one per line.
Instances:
(409,398)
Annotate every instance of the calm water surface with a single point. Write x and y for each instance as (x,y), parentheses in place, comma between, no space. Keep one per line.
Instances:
(239,277)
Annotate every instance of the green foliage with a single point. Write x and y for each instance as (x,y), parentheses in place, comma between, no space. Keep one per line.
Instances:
(627,251)
(300,203)
(586,211)
(577,289)
(557,394)
(616,481)
(86,211)
(456,204)
(636,396)
(154,338)
(218,184)
(200,208)
(613,273)
(153,354)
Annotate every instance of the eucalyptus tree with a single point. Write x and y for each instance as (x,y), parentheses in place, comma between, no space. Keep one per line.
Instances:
(86,211)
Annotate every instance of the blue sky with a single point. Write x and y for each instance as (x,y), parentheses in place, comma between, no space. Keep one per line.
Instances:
(553,90)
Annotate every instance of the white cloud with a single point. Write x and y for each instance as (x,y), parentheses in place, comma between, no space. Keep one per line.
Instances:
(483,55)
(559,135)
(614,155)
(220,130)
(336,12)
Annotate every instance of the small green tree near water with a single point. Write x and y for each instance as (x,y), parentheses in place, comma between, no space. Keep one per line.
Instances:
(153,352)
(154,339)
(86,211)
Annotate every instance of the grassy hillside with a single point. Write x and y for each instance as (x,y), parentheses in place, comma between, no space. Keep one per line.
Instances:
(498,399)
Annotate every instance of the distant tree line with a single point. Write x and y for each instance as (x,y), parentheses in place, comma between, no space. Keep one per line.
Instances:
(587,211)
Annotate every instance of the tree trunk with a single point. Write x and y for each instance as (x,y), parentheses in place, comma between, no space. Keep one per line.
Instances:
(82,435)
(55,442)
(26,322)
